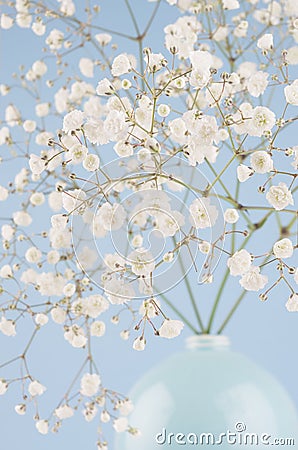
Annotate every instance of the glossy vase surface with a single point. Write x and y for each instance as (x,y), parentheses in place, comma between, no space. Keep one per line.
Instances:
(210,396)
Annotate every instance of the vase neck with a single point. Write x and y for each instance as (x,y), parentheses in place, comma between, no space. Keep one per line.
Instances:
(208,341)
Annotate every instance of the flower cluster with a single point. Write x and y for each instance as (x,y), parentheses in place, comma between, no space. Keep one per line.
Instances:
(146,181)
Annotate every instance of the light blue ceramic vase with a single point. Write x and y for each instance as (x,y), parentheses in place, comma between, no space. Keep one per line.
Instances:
(210,389)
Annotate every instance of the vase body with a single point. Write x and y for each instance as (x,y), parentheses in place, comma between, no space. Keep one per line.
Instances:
(209,388)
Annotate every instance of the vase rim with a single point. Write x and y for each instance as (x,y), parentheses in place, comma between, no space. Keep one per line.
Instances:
(215,341)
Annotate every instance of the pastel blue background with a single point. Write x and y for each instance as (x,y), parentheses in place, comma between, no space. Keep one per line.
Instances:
(266,332)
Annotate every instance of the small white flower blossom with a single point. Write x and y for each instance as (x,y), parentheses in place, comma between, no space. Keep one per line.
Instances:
(42,426)
(7,327)
(239,263)
(292,303)
(3,387)
(202,213)
(283,248)
(64,412)
(231,215)
(291,93)
(139,344)
(121,65)
(261,162)
(253,280)
(244,173)
(90,384)
(171,328)
(120,425)
(279,196)
(265,42)
(36,388)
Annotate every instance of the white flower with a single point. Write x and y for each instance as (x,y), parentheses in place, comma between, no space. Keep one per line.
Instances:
(64,412)
(155,61)
(38,28)
(98,328)
(105,417)
(111,216)
(118,292)
(231,215)
(200,60)
(163,110)
(42,426)
(42,109)
(53,257)
(58,315)
(39,68)
(202,213)
(239,263)
(90,384)
(104,87)
(90,411)
(3,386)
(77,153)
(292,303)
(75,335)
(7,232)
(263,119)
(41,319)
(253,280)
(33,255)
(292,55)
(171,328)
(279,196)
(141,261)
(6,21)
(37,199)
(258,83)
(120,425)
(22,218)
(123,149)
(73,200)
(283,248)
(291,93)
(231,4)
(55,39)
(261,162)
(59,221)
(6,271)
(91,162)
(120,65)
(125,407)
(3,194)
(86,67)
(139,344)
(169,222)
(265,42)
(29,126)
(204,247)
(296,276)
(7,327)
(95,305)
(37,165)
(36,388)
(69,289)
(73,121)
(20,409)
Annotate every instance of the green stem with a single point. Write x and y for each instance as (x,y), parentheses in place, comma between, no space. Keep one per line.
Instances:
(231,313)
(190,293)
(217,299)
